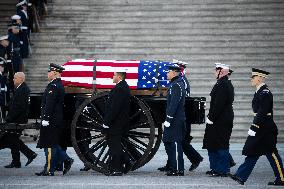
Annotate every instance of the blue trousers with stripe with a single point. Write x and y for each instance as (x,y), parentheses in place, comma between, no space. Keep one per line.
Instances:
(175,155)
(219,161)
(52,155)
(274,159)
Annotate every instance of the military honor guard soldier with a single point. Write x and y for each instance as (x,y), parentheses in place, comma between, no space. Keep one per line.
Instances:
(262,134)
(174,125)
(219,123)
(52,122)
(194,157)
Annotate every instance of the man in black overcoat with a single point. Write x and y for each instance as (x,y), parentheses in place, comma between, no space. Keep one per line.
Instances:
(18,113)
(219,123)
(116,123)
(52,122)
(262,134)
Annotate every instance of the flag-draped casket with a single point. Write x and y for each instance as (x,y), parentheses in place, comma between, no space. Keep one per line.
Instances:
(140,74)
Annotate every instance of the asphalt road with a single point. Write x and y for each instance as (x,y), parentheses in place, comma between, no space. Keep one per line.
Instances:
(145,177)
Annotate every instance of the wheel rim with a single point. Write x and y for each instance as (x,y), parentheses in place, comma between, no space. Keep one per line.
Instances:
(87,127)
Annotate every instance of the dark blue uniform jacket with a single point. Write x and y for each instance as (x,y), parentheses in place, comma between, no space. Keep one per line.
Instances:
(266,130)
(175,111)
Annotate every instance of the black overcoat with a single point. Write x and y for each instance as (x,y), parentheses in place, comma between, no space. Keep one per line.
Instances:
(175,112)
(221,113)
(52,111)
(266,136)
(117,109)
(19,105)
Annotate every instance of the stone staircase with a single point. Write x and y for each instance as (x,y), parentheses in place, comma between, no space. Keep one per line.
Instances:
(241,33)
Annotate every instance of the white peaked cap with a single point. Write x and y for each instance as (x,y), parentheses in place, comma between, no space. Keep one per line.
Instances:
(21,3)
(223,66)
(15,17)
(180,62)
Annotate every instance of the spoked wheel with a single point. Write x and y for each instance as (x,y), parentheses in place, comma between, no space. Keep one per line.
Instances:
(89,140)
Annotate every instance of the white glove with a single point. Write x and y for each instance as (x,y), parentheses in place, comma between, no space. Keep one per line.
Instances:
(105,126)
(156,80)
(251,132)
(44,123)
(208,121)
(167,124)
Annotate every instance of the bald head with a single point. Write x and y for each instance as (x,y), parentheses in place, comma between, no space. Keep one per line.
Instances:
(19,78)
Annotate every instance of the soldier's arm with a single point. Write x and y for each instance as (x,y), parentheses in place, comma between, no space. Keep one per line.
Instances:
(50,102)
(175,99)
(264,108)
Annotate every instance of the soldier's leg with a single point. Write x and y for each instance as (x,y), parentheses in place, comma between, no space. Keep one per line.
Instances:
(277,165)
(222,162)
(51,158)
(246,168)
(213,158)
(180,160)
(193,156)
(171,152)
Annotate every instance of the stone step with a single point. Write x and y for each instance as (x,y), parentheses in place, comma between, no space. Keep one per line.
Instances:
(156,44)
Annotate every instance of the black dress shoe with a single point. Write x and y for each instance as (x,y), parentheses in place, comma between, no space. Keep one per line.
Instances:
(232,163)
(67,165)
(210,172)
(194,165)
(44,173)
(237,179)
(114,173)
(128,166)
(180,173)
(276,183)
(215,174)
(31,159)
(13,165)
(172,173)
(164,169)
(85,168)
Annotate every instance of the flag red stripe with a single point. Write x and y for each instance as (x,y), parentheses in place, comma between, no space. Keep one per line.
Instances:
(98,86)
(76,84)
(77,74)
(110,75)
(120,64)
(79,63)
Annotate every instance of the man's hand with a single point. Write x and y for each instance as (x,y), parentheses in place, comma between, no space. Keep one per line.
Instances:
(44,123)
(166,124)
(208,121)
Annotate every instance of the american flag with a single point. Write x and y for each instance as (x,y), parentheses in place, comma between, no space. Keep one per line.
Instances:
(139,74)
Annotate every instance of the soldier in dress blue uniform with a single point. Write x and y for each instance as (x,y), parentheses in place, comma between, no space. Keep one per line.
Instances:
(25,31)
(174,125)
(219,123)
(262,134)
(194,157)
(3,90)
(52,122)
(14,47)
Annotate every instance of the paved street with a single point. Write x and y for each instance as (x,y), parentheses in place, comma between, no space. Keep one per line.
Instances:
(145,177)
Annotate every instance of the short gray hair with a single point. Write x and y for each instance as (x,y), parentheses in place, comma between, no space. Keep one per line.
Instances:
(21,75)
